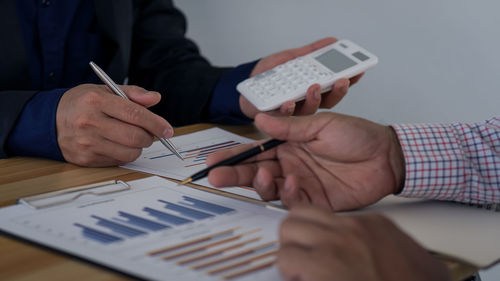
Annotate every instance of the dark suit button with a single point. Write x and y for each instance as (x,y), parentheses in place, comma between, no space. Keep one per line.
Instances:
(52,76)
(46,3)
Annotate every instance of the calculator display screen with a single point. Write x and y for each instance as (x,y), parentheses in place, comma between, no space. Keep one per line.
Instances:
(335,60)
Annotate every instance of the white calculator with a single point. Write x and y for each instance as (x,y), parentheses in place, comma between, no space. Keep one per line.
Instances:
(290,81)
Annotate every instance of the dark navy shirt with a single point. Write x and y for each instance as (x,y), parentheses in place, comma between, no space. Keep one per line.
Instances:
(61,37)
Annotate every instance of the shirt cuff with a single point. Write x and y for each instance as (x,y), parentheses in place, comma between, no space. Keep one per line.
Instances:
(35,133)
(434,166)
(225,104)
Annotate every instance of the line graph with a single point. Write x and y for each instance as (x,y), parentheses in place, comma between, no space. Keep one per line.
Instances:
(198,156)
(195,148)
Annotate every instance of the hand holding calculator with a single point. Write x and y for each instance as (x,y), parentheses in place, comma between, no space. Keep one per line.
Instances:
(290,81)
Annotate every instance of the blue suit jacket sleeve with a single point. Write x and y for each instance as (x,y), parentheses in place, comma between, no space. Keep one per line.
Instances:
(34,134)
(225,106)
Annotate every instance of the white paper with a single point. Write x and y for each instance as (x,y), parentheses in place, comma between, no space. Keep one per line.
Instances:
(121,230)
(157,160)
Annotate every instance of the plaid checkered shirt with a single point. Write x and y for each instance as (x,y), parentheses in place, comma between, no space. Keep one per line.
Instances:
(458,162)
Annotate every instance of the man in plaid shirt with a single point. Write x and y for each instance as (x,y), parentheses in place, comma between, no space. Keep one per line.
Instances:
(338,162)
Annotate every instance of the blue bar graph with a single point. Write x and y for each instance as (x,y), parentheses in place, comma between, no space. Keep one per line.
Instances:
(175,220)
(140,222)
(118,228)
(203,205)
(185,211)
(97,235)
(128,225)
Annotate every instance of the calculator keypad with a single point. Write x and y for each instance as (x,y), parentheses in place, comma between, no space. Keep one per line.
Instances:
(286,78)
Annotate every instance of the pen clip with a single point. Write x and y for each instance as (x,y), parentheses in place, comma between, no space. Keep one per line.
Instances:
(59,197)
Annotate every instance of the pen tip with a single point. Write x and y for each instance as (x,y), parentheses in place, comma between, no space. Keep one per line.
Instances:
(179,155)
(188,180)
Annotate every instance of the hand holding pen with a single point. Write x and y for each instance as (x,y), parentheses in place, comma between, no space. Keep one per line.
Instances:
(330,160)
(95,128)
(116,90)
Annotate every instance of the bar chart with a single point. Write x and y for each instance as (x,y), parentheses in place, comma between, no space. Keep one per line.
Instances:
(158,230)
(227,254)
(126,225)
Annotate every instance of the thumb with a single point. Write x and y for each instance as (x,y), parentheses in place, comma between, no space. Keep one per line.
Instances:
(141,96)
(300,129)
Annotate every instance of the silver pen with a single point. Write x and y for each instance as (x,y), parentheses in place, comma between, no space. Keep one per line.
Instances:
(115,89)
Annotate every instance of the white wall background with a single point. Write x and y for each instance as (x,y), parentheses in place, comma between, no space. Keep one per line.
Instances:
(439,59)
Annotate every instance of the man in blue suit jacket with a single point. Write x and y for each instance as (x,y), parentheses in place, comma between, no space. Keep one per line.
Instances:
(52,107)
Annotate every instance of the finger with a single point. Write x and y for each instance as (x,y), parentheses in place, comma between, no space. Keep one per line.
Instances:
(265,183)
(291,194)
(314,191)
(123,133)
(242,174)
(312,101)
(338,92)
(119,152)
(91,160)
(286,109)
(141,96)
(232,176)
(137,115)
(291,128)
(292,262)
(356,78)
(297,52)
(101,153)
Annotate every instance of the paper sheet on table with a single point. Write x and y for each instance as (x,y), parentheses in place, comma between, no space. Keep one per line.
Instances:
(157,230)
(195,148)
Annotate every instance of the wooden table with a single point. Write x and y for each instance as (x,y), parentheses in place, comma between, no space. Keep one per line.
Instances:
(27,176)
(21,177)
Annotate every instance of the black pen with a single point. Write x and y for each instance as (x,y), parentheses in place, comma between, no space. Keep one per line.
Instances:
(235,159)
